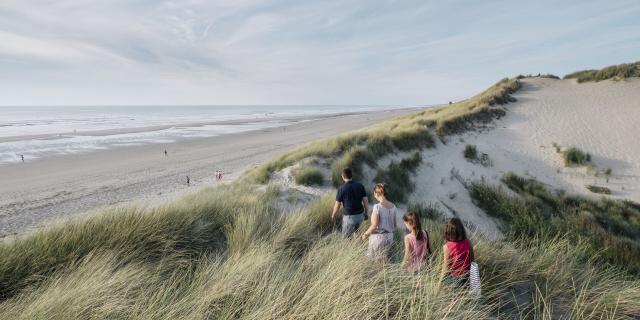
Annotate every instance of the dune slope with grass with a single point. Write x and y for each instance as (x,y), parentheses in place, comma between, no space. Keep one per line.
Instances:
(264,246)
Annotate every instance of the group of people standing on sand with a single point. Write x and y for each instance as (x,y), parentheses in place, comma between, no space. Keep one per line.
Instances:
(457,251)
(219,175)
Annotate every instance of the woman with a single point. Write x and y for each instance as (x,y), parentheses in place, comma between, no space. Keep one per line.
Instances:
(383,224)
(458,254)
(417,247)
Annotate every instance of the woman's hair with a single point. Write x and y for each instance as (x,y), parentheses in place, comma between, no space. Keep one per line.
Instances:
(454,230)
(413,220)
(378,188)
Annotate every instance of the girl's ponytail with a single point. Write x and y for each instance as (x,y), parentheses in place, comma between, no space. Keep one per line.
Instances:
(413,220)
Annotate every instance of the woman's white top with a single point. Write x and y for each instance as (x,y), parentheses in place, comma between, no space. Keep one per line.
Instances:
(387,222)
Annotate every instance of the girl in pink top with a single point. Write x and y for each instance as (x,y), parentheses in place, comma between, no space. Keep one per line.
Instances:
(417,247)
(458,254)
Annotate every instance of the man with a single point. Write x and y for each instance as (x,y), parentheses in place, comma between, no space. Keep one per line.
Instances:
(353,198)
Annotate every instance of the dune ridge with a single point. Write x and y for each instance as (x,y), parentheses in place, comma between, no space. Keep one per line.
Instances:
(268,250)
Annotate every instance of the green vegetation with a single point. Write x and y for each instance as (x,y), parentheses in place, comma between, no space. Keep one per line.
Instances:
(470,152)
(401,134)
(575,157)
(227,253)
(398,178)
(308,176)
(609,229)
(547,75)
(599,189)
(615,72)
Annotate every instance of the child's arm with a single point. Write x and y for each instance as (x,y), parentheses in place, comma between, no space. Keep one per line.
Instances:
(407,251)
(445,262)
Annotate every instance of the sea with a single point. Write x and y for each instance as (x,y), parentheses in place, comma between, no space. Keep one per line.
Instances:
(41,132)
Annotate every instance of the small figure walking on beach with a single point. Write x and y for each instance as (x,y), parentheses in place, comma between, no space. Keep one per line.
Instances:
(22,156)
(188,181)
(165,153)
(217,175)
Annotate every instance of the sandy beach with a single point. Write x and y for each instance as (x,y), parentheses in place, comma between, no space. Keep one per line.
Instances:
(37,193)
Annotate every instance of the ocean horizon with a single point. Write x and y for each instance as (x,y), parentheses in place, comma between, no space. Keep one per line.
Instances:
(38,132)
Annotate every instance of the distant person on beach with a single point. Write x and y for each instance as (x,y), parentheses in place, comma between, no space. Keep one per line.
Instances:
(417,246)
(458,254)
(217,175)
(383,225)
(165,153)
(188,181)
(22,156)
(353,198)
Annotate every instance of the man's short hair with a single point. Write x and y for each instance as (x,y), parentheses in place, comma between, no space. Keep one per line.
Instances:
(347,173)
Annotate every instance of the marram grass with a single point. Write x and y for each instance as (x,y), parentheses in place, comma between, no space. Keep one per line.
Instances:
(260,264)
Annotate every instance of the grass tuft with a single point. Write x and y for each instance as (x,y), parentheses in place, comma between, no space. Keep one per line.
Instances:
(308,176)
(470,152)
(599,189)
(616,72)
(575,157)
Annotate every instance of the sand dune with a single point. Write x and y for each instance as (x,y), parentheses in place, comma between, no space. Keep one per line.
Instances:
(600,118)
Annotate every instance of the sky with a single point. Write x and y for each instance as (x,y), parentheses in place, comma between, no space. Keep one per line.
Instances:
(338,52)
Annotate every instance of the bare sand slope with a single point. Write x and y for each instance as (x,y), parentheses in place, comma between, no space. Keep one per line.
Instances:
(600,118)
(33,194)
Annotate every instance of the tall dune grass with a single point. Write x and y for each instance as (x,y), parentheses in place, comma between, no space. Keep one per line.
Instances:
(617,72)
(286,268)
(609,228)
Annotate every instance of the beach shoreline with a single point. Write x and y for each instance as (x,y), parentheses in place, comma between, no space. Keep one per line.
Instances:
(45,191)
(285,120)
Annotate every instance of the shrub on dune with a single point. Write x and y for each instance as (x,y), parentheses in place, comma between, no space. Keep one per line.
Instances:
(470,152)
(575,157)
(599,189)
(308,176)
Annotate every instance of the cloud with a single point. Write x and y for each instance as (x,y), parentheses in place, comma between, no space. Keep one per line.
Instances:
(296,52)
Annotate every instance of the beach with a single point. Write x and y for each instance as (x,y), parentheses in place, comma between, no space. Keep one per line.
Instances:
(39,193)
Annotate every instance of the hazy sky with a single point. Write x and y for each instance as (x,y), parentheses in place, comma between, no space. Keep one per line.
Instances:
(106,52)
